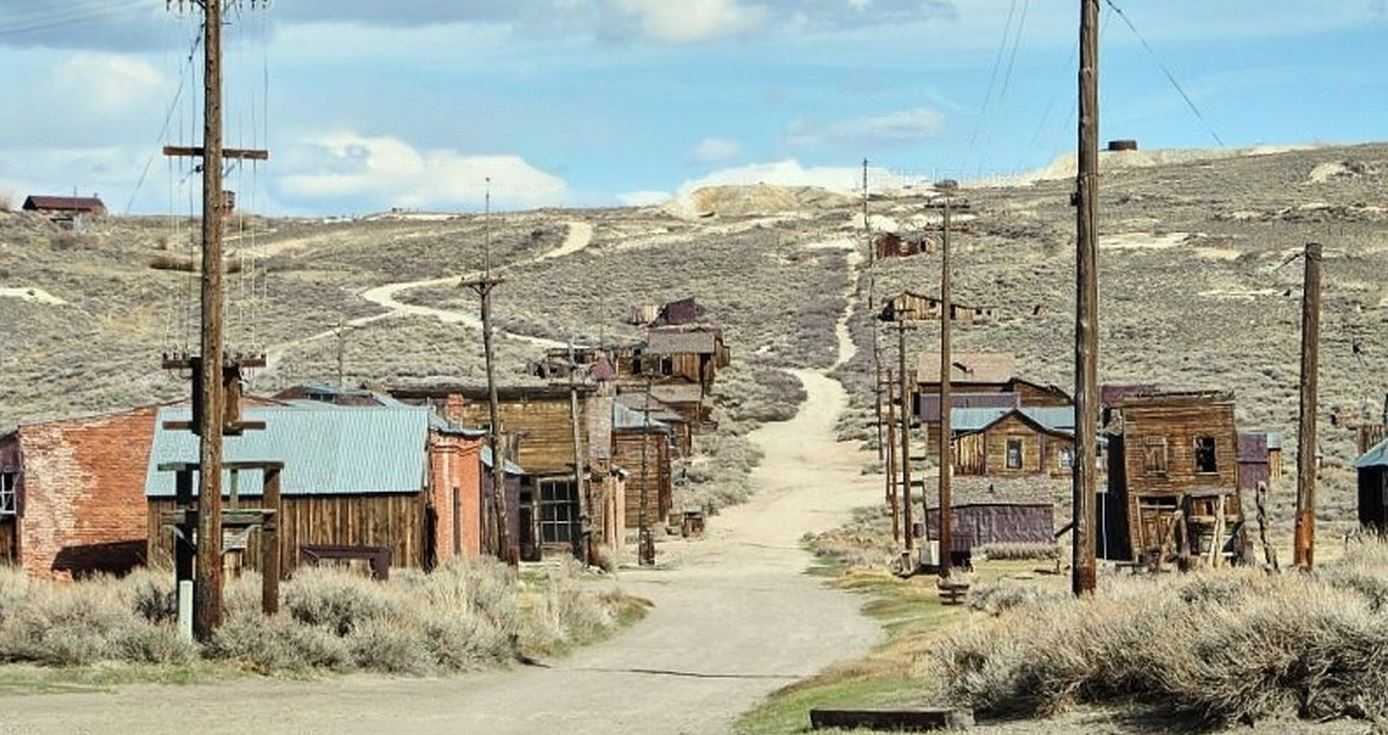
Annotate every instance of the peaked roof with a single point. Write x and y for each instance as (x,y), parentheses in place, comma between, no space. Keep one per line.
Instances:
(1056,420)
(78,204)
(969,367)
(928,404)
(628,419)
(326,450)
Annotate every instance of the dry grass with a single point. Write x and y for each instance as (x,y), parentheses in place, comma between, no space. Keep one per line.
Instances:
(1217,648)
(463,617)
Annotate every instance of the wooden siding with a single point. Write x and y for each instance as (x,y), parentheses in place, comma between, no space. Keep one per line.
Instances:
(546,442)
(395,521)
(985,452)
(657,483)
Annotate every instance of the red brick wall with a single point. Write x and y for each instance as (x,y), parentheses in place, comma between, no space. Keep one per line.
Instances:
(455,462)
(84,503)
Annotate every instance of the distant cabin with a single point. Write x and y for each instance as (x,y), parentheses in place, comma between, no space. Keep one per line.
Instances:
(912,306)
(892,245)
(65,209)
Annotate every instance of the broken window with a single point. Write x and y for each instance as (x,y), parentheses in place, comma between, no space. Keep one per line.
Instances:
(9,487)
(1014,454)
(558,512)
(1154,455)
(1205,455)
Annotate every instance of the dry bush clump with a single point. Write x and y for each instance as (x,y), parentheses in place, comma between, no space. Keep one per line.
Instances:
(1217,648)
(864,542)
(463,617)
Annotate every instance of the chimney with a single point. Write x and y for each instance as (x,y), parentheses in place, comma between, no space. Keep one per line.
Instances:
(453,407)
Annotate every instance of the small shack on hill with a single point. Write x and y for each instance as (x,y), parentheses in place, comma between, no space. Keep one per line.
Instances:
(912,306)
(892,245)
(64,208)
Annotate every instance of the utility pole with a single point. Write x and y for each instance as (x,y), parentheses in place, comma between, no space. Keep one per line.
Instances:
(341,355)
(872,312)
(1305,542)
(582,548)
(1084,571)
(645,542)
(907,520)
(214,377)
(484,286)
(946,405)
(892,499)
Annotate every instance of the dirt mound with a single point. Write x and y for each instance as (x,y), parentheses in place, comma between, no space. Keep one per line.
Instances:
(740,201)
(1340,170)
(1067,166)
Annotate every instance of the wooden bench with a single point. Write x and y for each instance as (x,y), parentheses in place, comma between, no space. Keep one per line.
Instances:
(378,557)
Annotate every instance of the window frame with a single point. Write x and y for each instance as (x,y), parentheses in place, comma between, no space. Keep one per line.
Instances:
(1151,444)
(9,492)
(1020,443)
(557,503)
(1211,452)
(1066,459)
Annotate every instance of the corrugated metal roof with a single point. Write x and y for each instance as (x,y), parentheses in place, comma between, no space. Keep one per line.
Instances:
(1375,457)
(968,420)
(326,450)
(969,367)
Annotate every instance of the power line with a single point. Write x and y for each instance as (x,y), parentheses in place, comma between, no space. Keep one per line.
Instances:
(1170,77)
(13,25)
(992,80)
(1016,43)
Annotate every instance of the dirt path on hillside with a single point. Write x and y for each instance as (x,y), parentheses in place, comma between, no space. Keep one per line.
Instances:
(736,617)
(580,236)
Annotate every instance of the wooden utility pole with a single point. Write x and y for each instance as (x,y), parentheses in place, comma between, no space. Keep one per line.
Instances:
(893,501)
(1304,549)
(872,313)
(946,406)
(582,548)
(1084,569)
(501,529)
(907,514)
(645,540)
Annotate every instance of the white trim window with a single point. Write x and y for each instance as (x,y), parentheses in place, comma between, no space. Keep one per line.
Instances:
(9,492)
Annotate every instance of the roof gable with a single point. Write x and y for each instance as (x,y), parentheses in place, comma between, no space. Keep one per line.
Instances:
(682,341)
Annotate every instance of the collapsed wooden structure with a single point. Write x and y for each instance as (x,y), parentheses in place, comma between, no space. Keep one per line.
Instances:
(912,306)
(1173,490)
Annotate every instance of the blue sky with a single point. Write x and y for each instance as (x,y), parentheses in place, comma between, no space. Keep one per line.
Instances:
(414,103)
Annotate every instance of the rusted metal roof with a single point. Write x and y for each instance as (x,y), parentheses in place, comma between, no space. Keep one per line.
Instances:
(40,202)
(969,367)
(682,341)
(1113,394)
(677,392)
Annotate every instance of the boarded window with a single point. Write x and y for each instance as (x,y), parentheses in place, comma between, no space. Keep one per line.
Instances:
(1154,455)
(9,485)
(1014,454)
(558,512)
(1205,455)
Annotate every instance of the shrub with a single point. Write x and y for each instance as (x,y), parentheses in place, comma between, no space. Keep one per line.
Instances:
(1018,551)
(1218,647)
(279,643)
(337,600)
(392,645)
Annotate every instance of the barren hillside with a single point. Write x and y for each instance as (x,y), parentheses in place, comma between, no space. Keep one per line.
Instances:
(1196,291)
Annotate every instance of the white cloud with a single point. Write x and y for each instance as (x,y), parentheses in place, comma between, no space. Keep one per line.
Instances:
(787,173)
(688,21)
(713,150)
(897,128)
(643,198)
(109,84)
(390,171)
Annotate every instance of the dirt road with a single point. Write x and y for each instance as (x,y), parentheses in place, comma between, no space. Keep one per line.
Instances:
(735,619)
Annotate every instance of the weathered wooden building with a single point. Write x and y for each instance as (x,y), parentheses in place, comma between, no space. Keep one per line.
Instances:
(691,354)
(1173,486)
(537,421)
(927,410)
(72,494)
(1010,442)
(978,524)
(892,245)
(643,447)
(912,306)
(368,477)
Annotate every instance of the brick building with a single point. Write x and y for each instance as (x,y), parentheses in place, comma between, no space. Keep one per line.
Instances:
(72,494)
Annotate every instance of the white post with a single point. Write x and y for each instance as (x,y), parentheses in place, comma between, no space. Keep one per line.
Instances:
(185,609)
